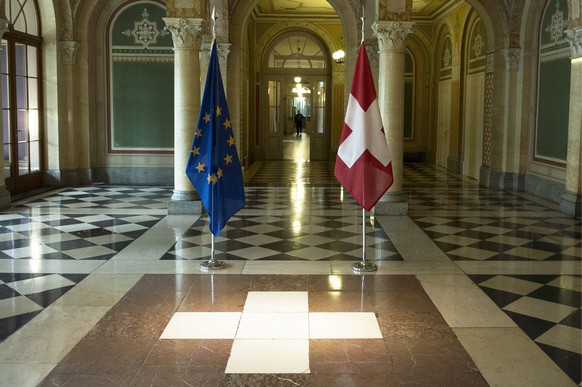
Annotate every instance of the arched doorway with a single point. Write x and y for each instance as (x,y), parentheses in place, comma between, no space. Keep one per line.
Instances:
(21,56)
(296,77)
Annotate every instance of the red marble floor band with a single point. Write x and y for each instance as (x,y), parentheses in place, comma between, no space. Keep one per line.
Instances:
(124,348)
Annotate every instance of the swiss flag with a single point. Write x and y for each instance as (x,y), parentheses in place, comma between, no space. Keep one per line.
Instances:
(363,165)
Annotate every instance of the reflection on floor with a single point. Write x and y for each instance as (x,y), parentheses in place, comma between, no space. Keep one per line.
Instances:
(474,287)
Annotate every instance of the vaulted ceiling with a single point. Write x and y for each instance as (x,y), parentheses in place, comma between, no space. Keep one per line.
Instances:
(322,8)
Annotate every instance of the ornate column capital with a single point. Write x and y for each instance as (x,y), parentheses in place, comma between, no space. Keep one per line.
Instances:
(186,33)
(373,54)
(511,56)
(574,37)
(392,34)
(223,50)
(68,52)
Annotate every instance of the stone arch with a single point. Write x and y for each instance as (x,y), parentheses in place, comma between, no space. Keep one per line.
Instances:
(489,11)
(419,46)
(530,26)
(239,16)
(274,32)
(437,133)
(467,83)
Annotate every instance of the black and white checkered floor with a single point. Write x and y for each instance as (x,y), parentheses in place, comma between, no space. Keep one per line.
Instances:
(520,251)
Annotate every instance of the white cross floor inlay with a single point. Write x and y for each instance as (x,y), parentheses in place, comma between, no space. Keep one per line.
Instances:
(271,334)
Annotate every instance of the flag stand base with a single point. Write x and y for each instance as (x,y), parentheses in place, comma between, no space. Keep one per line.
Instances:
(211,265)
(364,266)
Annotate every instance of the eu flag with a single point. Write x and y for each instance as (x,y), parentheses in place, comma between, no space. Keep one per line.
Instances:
(213,166)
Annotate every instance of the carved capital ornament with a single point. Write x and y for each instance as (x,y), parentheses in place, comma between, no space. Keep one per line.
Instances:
(186,33)
(392,34)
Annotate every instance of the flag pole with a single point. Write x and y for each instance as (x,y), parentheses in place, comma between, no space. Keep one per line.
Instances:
(212,263)
(364,265)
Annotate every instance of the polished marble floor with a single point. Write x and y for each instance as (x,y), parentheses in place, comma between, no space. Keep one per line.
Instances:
(99,286)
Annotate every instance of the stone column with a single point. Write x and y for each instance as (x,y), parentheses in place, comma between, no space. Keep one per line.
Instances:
(5,198)
(223,50)
(187,37)
(391,38)
(513,125)
(571,200)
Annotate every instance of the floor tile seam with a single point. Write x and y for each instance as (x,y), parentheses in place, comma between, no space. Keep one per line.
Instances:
(485,368)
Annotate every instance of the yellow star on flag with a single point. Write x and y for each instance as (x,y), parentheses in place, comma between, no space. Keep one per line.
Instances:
(218,111)
(231,141)
(198,132)
(228,159)
(226,123)
(196,150)
(219,173)
(206,117)
(200,167)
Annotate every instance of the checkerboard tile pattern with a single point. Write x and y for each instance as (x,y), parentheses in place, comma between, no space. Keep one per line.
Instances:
(23,296)
(467,222)
(548,308)
(38,230)
(113,197)
(505,238)
(314,173)
(71,236)
(309,238)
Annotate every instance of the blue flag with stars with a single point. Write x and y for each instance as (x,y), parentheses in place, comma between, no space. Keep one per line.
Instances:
(213,166)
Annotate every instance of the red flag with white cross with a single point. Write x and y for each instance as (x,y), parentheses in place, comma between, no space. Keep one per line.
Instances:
(363,165)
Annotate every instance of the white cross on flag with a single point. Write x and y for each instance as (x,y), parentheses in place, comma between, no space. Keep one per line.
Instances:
(363,165)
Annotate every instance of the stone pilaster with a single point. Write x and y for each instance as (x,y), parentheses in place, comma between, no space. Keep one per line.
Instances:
(74,167)
(5,199)
(485,173)
(187,36)
(513,123)
(571,201)
(391,41)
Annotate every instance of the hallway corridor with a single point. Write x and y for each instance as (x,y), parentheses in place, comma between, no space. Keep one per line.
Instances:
(99,286)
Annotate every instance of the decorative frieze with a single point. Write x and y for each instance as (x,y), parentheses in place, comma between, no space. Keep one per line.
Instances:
(511,56)
(392,34)
(68,51)
(186,8)
(185,33)
(574,37)
(395,10)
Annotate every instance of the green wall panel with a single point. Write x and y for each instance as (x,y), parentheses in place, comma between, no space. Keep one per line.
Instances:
(143,105)
(142,79)
(553,109)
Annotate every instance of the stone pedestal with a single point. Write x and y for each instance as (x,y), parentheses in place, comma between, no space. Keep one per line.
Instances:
(187,37)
